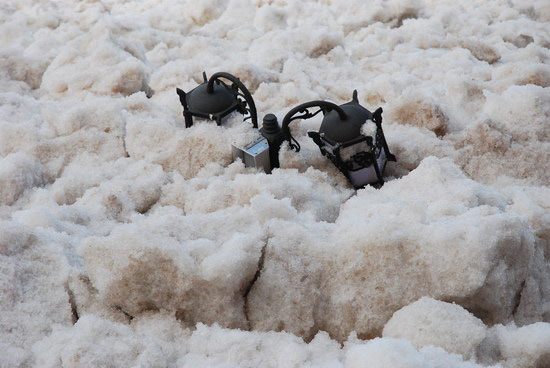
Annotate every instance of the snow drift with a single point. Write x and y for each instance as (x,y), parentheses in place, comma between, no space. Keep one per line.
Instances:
(129,240)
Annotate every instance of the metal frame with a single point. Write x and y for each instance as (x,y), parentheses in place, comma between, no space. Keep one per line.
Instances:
(237,89)
(366,159)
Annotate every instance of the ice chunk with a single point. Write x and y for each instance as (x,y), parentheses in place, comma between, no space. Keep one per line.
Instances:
(432,322)
(18,173)
(395,353)
(465,249)
(176,265)
(99,62)
(158,340)
(527,346)
(33,272)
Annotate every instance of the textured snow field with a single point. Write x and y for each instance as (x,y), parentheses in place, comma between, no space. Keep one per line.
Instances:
(127,240)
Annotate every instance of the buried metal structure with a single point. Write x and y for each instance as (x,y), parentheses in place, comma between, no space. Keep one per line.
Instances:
(214,99)
(350,136)
(361,157)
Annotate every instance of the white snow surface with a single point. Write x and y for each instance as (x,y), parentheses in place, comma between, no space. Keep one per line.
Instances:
(127,240)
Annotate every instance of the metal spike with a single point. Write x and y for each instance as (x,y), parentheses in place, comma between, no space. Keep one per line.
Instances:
(181,95)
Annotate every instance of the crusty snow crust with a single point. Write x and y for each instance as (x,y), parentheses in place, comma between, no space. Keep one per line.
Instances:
(128,240)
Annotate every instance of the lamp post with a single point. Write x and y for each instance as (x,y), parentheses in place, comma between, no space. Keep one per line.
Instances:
(350,135)
(214,99)
(342,138)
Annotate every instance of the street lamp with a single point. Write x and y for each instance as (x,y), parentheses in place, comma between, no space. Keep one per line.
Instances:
(350,135)
(214,99)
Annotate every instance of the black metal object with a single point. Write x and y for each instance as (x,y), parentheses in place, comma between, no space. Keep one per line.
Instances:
(362,159)
(303,108)
(275,137)
(214,99)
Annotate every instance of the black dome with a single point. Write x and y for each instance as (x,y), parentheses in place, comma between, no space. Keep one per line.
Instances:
(340,131)
(199,100)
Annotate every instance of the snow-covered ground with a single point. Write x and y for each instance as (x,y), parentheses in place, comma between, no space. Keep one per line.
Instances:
(127,240)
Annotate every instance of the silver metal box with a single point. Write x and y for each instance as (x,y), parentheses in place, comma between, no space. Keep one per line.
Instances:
(254,154)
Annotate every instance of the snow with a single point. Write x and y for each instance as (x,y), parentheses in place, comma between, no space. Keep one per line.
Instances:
(127,239)
(445,325)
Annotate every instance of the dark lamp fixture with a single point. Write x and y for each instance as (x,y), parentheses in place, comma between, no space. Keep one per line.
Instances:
(214,99)
(360,157)
(350,135)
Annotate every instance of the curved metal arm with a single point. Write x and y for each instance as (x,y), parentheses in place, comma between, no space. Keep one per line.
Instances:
(245,93)
(303,108)
(377,118)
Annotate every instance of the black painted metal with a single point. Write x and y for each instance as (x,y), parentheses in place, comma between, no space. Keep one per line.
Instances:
(380,137)
(303,108)
(340,129)
(275,137)
(214,99)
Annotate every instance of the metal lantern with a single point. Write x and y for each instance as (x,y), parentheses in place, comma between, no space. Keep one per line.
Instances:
(360,154)
(361,157)
(214,99)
